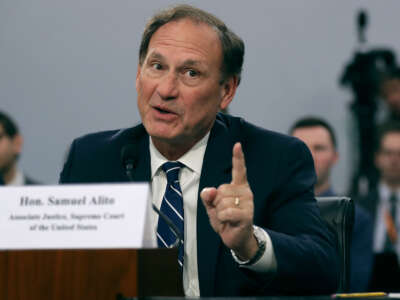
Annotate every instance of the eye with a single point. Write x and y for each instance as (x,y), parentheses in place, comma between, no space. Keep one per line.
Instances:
(156,66)
(320,148)
(192,73)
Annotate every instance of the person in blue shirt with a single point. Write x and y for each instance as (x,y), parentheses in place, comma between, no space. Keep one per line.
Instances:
(320,138)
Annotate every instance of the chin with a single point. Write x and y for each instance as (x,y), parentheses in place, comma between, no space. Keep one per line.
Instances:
(158,130)
(161,136)
(164,134)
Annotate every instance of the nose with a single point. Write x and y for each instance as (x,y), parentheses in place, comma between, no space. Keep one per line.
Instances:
(168,87)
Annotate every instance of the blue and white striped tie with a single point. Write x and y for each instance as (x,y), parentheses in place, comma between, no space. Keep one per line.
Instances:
(172,207)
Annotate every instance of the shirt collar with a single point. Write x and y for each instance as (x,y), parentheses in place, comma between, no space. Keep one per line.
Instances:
(18,179)
(385,191)
(193,159)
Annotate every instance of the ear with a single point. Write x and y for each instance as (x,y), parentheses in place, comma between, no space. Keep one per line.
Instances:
(138,72)
(228,90)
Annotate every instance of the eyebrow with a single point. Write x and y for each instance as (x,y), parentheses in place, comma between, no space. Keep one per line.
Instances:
(156,55)
(188,62)
(191,62)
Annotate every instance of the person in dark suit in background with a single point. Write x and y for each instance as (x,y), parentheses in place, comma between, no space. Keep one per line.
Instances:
(251,224)
(383,203)
(10,149)
(390,89)
(321,140)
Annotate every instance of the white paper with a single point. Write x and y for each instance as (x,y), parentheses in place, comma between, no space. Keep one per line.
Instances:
(394,295)
(74,216)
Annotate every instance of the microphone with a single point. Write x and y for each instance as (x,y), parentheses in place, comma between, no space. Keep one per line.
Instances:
(129,158)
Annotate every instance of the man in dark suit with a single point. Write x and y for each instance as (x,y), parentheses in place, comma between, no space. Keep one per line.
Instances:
(251,224)
(391,93)
(10,149)
(321,140)
(383,203)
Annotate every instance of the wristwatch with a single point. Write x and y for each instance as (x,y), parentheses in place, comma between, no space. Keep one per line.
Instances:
(259,234)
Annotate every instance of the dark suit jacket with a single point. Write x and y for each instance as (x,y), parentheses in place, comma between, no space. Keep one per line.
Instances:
(281,175)
(361,254)
(370,202)
(30,181)
(386,269)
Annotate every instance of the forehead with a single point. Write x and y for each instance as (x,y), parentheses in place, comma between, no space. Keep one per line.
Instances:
(187,37)
(314,134)
(391,140)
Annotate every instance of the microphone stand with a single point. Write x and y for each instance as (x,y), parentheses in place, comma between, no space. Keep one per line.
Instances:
(129,166)
(363,76)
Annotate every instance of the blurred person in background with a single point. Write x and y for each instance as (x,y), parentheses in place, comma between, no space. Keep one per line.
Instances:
(391,94)
(11,143)
(320,138)
(383,203)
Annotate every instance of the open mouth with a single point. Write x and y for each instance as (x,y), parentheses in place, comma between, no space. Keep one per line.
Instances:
(163,111)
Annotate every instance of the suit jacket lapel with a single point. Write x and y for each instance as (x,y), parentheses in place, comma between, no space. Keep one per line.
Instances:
(142,169)
(216,170)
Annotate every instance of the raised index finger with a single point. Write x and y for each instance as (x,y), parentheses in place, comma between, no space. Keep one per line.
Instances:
(239,175)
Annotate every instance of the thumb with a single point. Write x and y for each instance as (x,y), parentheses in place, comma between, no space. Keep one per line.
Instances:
(208,195)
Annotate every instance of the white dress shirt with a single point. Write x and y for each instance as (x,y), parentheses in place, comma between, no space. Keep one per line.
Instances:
(18,179)
(189,179)
(380,226)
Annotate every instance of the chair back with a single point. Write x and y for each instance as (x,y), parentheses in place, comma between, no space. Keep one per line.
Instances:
(338,212)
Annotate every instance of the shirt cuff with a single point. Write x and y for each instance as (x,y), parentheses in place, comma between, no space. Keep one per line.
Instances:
(267,262)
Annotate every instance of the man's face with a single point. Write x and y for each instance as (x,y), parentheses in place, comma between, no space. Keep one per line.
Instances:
(319,142)
(178,84)
(387,159)
(391,93)
(9,150)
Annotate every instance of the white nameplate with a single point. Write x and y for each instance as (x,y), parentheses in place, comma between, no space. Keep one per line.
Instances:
(74,216)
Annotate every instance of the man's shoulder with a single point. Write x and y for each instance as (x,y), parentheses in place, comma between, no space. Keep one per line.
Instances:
(110,138)
(270,156)
(109,135)
(96,157)
(104,146)
(248,131)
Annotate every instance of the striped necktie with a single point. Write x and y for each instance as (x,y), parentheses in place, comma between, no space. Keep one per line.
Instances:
(390,221)
(172,207)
